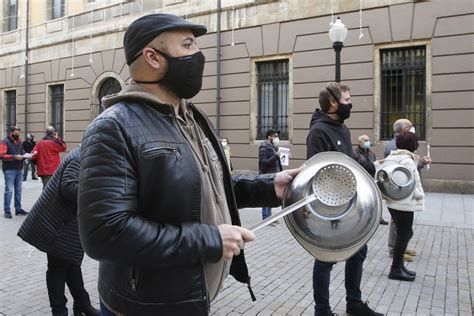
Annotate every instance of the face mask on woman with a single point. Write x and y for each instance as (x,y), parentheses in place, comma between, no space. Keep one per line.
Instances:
(366,145)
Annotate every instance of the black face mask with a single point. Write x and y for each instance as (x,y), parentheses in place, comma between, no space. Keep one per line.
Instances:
(15,137)
(343,111)
(184,74)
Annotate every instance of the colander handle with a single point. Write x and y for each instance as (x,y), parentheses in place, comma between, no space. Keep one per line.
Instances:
(287,210)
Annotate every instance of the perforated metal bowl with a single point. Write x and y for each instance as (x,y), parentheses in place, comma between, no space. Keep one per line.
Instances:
(345,215)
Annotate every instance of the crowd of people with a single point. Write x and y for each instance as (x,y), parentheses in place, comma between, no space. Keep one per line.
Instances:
(165,244)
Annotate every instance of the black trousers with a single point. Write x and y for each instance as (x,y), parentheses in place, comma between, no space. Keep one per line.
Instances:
(352,279)
(45,180)
(404,226)
(61,272)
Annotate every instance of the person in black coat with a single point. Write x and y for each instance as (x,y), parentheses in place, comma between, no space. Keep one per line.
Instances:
(52,228)
(28,146)
(363,155)
(269,160)
(329,133)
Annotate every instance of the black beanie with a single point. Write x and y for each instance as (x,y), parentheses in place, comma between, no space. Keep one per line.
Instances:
(143,30)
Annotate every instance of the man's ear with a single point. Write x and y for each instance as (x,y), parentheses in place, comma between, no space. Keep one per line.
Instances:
(152,58)
(333,106)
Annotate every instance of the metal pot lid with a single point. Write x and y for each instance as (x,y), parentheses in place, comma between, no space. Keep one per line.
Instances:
(346,213)
(395,181)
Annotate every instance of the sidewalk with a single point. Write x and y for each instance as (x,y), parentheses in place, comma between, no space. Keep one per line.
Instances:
(282,271)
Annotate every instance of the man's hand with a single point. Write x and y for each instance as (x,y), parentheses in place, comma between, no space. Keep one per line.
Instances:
(234,239)
(18,157)
(283,178)
(426,160)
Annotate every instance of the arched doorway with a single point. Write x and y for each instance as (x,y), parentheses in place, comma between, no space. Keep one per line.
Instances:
(108,86)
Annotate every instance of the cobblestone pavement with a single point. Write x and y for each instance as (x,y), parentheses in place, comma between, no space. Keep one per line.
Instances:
(282,271)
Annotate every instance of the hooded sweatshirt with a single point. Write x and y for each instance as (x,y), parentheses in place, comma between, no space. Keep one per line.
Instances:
(214,209)
(326,134)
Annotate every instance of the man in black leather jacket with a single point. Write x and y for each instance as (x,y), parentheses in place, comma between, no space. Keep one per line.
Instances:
(157,206)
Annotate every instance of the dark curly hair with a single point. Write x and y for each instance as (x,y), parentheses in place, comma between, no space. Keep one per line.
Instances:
(407,140)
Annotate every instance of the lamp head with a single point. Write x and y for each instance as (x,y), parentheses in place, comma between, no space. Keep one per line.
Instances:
(338,31)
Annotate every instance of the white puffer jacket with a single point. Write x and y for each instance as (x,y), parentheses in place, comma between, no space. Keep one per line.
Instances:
(417,202)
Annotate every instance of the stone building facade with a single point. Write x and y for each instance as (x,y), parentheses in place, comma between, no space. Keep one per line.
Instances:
(415,59)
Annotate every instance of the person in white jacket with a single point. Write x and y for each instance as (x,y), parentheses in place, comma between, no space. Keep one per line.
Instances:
(402,211)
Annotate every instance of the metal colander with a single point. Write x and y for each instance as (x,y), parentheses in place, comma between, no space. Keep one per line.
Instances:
(334,185)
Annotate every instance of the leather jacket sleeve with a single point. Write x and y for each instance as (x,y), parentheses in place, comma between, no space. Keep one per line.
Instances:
(112,228)
(255,191)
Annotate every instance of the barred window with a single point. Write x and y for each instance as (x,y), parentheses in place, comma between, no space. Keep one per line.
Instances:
(11,17)
(403,89)
(272,89)
(10,115)
(109,86)
(56,113)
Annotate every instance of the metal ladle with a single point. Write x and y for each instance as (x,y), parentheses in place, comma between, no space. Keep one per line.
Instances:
(333,185)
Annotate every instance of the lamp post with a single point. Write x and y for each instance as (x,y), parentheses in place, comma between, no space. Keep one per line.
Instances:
(337,34)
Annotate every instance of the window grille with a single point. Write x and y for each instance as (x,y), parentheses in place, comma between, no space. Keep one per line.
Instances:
(272,87)
(109,86)
(57,108)
(10,101)
(403,89)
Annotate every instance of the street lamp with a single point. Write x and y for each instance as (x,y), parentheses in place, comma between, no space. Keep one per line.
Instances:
(337,34)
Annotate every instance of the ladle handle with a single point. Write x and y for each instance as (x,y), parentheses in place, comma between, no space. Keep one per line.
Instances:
(267,221)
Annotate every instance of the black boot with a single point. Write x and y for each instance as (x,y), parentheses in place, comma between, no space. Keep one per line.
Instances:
(410,272)
(89,311)
(399,274)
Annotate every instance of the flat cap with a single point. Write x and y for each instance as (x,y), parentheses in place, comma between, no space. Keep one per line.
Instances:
(143,30)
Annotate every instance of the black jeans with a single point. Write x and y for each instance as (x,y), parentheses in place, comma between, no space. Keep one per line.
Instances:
(45,180)
(59,273)
(26,167)
(353,277)
(403,225)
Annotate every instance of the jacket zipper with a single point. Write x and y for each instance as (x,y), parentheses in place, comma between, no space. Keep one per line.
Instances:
(133,279)
(153,151)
